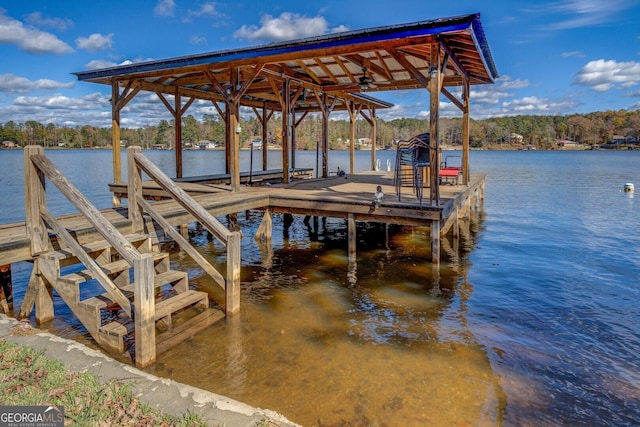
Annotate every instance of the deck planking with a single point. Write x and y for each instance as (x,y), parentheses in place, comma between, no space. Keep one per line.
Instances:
(335,196)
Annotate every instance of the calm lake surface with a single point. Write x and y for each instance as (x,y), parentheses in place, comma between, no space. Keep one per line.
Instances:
(533,319)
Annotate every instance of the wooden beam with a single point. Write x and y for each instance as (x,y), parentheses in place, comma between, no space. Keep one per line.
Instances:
(115,138)
(177,125)
(466,96)
(434,118)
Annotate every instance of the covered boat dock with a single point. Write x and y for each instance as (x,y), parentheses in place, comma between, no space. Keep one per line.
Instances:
(321,75)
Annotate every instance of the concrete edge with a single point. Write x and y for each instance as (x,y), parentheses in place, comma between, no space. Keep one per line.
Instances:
(163,394)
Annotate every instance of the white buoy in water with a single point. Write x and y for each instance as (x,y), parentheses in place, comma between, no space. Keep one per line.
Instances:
(628,187)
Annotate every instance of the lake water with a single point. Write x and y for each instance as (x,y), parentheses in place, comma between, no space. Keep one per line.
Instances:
(532,320)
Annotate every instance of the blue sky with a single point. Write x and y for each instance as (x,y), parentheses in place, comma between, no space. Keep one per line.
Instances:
(553,57)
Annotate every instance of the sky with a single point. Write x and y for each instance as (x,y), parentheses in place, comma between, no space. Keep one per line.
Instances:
(554,57)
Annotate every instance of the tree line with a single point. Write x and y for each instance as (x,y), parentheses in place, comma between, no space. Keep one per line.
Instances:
(542,132)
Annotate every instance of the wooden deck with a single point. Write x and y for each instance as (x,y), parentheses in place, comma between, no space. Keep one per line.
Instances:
(207,184)
(342,197)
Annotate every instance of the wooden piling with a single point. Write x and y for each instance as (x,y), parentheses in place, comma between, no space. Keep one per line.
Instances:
(144,318)
(352,233)
(6,290)
(232,287)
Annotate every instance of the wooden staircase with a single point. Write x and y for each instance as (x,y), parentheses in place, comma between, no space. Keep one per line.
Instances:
(122,288)
(104,318)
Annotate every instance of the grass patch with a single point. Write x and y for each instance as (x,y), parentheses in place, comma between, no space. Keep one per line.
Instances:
(27,377)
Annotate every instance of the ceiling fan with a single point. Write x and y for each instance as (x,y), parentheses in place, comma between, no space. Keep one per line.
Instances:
(365,82)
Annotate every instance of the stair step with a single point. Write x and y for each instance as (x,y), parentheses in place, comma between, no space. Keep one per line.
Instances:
(117,329)
(186,330)
(110,268)
(100,245)
(104,300)
(164,278)
(178,302)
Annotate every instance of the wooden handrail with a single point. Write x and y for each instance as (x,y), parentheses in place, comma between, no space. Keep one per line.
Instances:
(136,163)
(185,200)
(93,215)
(184,244)
(88,262)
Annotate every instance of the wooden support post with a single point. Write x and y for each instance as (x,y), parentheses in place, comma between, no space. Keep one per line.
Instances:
(38,294)
(456,223)
(435,242)
(184,230)
(353,111)
(434,118)
(115,138)
(134,190)
(34,197)
(265,135)
(232,286)
(326,112)
(234,146)
(144,315)
(265,229)
(374,136)
(287,122)
(465,132)
(177,124)
(353,237)
(6,289)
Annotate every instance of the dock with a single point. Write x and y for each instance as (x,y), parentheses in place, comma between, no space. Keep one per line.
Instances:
(340,197)
(120,247)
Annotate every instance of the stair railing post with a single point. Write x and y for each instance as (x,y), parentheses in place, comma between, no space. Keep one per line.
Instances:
(34,197)
(134,190)
(232,286)
(144,310)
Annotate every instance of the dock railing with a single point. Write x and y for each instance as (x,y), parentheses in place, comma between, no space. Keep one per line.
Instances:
(138,163)
(37,167)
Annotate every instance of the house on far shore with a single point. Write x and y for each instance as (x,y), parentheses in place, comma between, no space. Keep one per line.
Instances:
(206,145)
(564,144)
(8,145)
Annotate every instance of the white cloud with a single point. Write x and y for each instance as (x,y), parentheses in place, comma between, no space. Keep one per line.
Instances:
(534,105)
(287,26)
(164,8)
(206,9)
(507,83)
(12,84)
(30,39)
(103,63)
(574,54)
(94,42)
(60,24)
(580,13)
(198,40)
(94,110)
(602,75)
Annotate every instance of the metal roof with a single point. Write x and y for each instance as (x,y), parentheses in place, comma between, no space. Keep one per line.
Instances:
(320,69)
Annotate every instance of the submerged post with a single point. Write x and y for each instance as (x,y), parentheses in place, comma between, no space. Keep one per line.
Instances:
(435,242)
(352,232)
(232,286)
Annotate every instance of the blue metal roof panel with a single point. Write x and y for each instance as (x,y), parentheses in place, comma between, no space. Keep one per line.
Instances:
(350,38)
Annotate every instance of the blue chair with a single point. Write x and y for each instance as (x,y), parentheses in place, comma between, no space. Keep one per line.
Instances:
(414,153)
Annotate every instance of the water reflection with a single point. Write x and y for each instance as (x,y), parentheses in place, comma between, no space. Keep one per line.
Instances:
(325,340)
